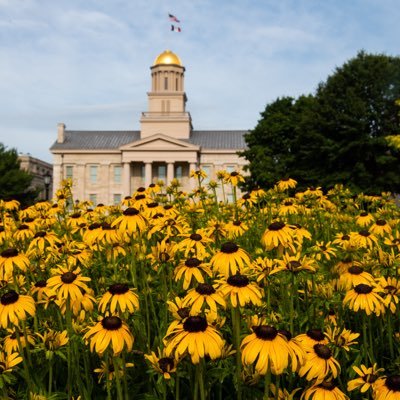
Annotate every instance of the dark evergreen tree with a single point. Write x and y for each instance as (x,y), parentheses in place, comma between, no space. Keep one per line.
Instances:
(14,182)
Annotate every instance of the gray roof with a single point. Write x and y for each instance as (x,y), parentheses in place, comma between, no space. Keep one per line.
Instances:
(112,140)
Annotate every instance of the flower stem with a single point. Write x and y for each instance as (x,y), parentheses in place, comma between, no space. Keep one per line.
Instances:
(236,341)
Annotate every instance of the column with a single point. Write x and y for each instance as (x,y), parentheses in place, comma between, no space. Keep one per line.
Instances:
(170,172)
(126,185)
(148,175)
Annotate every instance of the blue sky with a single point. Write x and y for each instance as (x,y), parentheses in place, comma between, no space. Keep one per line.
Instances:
(86,62)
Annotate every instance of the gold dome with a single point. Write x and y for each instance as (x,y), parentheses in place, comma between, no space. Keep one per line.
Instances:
(168,57)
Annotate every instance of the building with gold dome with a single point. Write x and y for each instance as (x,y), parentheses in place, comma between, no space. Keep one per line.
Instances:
(106,166)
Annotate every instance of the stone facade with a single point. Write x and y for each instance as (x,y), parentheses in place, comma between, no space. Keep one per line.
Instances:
(106,166)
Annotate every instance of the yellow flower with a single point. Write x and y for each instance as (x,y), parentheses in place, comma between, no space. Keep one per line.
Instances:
(234,178)
(193,336)
(162,364)
(366,378)
(240,290)
(189,269)
(9,259)
(119,298)
(15,308)
(110,332)
(277,234)
(324,391)
(364,297)
(230,260)
(107,370)
(9,361)
(286,184)
(53,340)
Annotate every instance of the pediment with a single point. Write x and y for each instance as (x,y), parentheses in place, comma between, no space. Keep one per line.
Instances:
(159,142)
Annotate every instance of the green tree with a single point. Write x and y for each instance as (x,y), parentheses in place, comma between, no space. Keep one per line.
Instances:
(337,135)
(14,182)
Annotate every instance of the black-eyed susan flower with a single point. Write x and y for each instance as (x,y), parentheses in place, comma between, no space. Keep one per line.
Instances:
(300,233)
(324,391)
(297,353)
(42,240)
(381,228)
(341,337)
(215,229)
(364,219)
(194,244)
(107,370)
(295,264)
(319,363)
(11,344)
(194,336)
(364,239)
(111,332)
(240,290)
(355,275)
(53,340)
(288,207)
(234,178)
(366,298)
(178,309)
(161,253)
(204,293)
(311,337)
(189,269)
(118,299)
(162,364)
(390,292)
(323,250)
(23,232)
(277,234)
(68,284)
(9,259)
(286,184)
(130,222)
(40,290)
(387,388)
(8,361)
(367,376)
(15,308)
(235,229)
(230,260)
(267,348)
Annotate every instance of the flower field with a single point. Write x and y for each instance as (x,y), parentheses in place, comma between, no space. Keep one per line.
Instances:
(280,294)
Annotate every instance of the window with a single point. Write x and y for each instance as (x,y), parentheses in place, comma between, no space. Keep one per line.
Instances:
(116,198)
(165,83)
(93,198)
(117,174)
(176,84)
(230,168)
(178,171)
(69,171)
(207,170)
(162,172)
(93,173)
(143,173)
(229,197)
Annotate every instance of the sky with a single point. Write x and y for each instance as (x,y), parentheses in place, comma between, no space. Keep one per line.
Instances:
(86,63)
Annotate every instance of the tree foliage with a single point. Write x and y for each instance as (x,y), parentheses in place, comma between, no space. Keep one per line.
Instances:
(14,182)
(337,135)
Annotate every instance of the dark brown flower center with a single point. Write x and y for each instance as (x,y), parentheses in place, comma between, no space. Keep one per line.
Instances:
(327,385)
(237,223)
(23,227)
(168,207)
(106,226)
(140,197)
(229,248)
(40,234)
(345,237)
(111,323)
(234,173)
(196,237)
(363,214)
(166,364)
(285,333)
(276,226)
(265,332)
(363,289)
(393,383)
(10,297)
(75,215)
(40,284)
(390,289)
(152,185)
(364,233)
(238,280)
(152,205)
(183,312)
(9,253)
(192,262)
(195,324)
(205,289)
(142,189)
(355,270)
(293,265)
(323,351)
(370,378)
(130,212)
(68,277)
(118,288)
(381,222)
(94,226)
(316,334)
(288,203)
